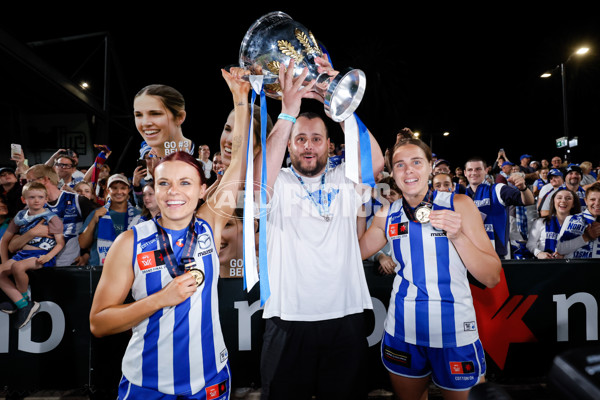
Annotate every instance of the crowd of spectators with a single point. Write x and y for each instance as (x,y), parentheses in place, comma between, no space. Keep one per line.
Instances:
(95,204)
(96,190)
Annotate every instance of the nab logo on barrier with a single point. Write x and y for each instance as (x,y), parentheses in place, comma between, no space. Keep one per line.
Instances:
(25,339)
(507,319)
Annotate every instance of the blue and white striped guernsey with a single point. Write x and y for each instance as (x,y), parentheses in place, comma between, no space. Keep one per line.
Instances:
(431,303)
(177,349)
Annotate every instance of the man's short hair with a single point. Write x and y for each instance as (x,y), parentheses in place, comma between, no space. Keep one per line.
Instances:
(313,115)
(44,171)
(68,157)
(476,159)
(594,187)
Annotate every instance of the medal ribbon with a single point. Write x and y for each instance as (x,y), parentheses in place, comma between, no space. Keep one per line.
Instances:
(323,208)
(187,256)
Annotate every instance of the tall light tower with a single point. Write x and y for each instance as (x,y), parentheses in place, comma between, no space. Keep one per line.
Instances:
(581,51)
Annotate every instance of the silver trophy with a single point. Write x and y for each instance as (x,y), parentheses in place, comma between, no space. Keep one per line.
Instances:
(275,39)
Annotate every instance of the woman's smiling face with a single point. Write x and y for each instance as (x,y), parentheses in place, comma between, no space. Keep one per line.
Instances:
(178,187)
(411,169)
(154,121)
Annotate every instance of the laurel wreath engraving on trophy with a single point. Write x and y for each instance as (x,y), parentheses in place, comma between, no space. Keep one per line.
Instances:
(310,49)
(289,50)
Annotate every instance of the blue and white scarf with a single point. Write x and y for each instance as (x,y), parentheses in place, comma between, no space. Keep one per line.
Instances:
(106,229)
(552,231)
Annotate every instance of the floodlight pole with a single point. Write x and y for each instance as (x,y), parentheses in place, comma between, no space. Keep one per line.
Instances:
(564,106)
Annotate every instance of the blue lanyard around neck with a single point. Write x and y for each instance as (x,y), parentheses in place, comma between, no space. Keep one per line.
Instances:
(322,206)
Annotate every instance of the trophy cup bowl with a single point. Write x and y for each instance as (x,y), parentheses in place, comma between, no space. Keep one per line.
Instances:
(274,39)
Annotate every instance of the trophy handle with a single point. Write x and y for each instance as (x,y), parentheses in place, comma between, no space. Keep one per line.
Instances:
(344,94)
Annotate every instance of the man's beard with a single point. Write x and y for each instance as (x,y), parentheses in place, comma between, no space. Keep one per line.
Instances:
(309,172)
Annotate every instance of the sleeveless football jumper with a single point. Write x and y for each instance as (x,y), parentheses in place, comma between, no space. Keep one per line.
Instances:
(431,303)
(177,349)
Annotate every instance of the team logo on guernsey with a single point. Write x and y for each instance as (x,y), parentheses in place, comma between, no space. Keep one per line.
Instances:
(150,260)
(461,367)
(204,241)
(214,391)
(398,229)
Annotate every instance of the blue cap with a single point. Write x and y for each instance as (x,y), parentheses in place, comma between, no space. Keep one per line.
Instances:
(507,163)
(554,172)
(526,156)
(144,149)
(574,168)
(440,161)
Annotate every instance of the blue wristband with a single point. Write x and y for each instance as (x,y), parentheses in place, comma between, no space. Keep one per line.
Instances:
(287,118)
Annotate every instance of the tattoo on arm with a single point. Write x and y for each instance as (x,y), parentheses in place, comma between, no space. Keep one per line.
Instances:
(236,142)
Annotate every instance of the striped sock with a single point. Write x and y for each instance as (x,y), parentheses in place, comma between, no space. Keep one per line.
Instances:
(25,295)
(22,303)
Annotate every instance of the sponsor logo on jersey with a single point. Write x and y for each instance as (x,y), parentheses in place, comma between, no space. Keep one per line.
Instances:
(204,241)
(150,260)
(146,243)
(469,326)
(461,367)
(179,242)
(214,391)
(398,229)
(396,356)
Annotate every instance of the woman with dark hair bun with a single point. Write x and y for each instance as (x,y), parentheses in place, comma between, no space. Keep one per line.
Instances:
(171,266)
(436,239)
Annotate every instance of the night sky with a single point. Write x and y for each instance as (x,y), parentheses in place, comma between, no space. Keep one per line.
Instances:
(473,72)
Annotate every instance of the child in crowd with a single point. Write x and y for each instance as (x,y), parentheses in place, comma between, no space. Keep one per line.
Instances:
(38,252)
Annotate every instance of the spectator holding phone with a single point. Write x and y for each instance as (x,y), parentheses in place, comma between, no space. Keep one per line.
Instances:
(142,175)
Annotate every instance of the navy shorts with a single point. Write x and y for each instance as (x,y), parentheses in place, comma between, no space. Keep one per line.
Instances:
(25,254)
(452,368)
(218,389)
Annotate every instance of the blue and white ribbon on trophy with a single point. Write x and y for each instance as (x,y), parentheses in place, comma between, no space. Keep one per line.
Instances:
(252,274)
(356,135)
